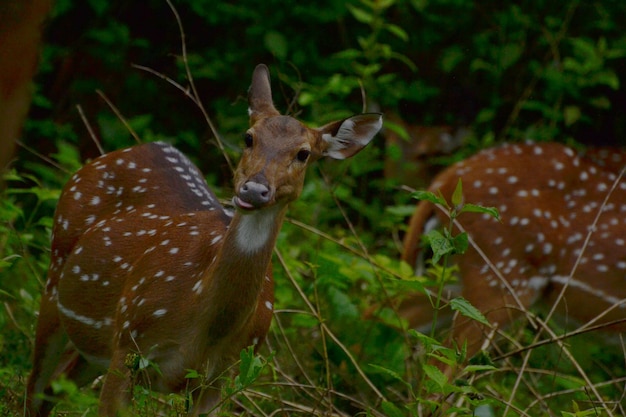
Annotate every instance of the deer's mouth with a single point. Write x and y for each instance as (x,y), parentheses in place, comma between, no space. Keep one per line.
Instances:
(244,205)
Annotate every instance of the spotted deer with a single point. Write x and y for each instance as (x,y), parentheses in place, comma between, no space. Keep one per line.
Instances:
(146,260)
(548,197)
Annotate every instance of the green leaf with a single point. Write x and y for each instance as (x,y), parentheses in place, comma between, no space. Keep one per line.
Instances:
(390,373)
(306,98)
(430,197)
(420,5)
(99,6)
(615,53)
(43,194)
(601,102)
(360,14)
(439,244)
(7,261)
(391,410)
(349,55)
(435,375)
(457,195)
(464,307)
(276,43)
(460,243)
(141,122)
(63,385)
(479,368)
(479,64)
(582,413)
(250,368)
(510,54)
(571,114)
(473,208)
(382,4)
(485,116)
(144,363)
(405,60)
(192,374)
(342,304)
(429,343)
(445,355)
(46,222)
(451,57)
(608,78)
(12,176)
(398,31)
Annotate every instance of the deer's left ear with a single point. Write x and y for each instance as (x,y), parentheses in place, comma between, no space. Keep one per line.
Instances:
(260,95)
(345,138)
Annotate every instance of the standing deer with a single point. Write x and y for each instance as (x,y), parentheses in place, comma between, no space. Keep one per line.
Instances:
(548,197)
(145,259)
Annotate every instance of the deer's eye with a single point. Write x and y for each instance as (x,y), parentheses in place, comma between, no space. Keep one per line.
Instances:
(248,140)
(303,155)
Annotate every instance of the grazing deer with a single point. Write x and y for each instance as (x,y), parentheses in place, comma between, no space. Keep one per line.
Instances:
(145,259)
(548,197)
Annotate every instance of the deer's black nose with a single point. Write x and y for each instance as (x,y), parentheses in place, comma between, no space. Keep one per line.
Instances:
(255,193)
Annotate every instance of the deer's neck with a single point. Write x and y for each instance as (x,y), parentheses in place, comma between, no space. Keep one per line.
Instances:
(252,235)
(238,272)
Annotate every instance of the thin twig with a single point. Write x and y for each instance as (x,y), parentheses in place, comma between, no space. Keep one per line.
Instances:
(91,132)
(119,115)
(562,337)
(192,84)
(42,157)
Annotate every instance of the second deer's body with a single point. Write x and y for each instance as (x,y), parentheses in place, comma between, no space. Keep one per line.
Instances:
(548,197)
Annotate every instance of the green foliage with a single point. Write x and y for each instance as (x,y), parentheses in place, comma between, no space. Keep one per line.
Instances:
(532,70)
(73,399)
(466,309)
(250,367)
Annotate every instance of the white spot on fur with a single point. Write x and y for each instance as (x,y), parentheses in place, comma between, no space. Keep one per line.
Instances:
(88,321)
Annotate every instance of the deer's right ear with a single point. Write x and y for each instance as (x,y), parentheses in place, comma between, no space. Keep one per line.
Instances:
(260,95)
(345,138)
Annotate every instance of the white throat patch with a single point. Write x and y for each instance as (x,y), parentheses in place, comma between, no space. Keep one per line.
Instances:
(255,229)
